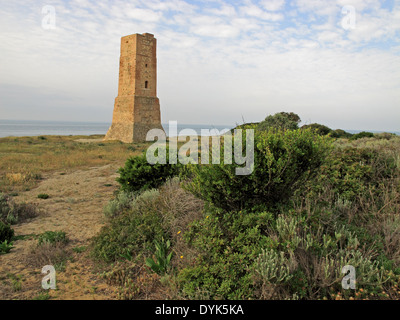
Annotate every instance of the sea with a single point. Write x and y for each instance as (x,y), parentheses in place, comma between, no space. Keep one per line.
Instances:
(23,128)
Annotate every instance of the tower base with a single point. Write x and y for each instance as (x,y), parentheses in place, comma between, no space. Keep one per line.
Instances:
(133,117)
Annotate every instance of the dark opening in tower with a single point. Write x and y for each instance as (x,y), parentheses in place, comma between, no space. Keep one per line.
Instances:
(146,84)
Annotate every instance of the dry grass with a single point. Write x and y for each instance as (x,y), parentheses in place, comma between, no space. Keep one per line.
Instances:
(134,281)
(55,254)
(13,212)
(390,146)
(25,160)
(180,208)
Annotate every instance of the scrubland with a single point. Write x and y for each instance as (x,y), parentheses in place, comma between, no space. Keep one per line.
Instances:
(314,203)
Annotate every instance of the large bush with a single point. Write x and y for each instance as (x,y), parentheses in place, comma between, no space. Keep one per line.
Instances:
(339,133)
(283,160)
(228,243)
(363,134)
(351,173)
(296,255)
(319,128)
(281,120)
(138,174)
(133,232)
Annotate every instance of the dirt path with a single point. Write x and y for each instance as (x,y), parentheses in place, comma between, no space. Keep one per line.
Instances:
(75,206)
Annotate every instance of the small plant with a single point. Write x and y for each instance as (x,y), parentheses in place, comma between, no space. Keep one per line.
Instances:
(47,253)
(122,201)
(162,259)
(5,247)
(42,296)
(127,255)
(273,267)
(43,196)
(6,232)
(16,281)
(52,237)
(79,249)
(12,212)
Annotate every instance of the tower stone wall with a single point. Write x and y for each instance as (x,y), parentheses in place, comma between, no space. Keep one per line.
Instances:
(136,108)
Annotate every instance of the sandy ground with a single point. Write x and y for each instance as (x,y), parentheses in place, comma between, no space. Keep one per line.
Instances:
(75,206)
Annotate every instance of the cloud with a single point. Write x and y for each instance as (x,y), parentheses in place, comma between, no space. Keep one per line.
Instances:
(224,10)
(272,5)
(217,60)
(143,15)
(255,11)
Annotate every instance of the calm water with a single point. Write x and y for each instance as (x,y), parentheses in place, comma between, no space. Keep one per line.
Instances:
(18,128)
(38,128)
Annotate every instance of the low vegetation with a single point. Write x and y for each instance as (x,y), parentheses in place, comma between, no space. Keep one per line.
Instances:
(139,175)
(51,249)
(12,212)
(25,160)
(140,230)
(318,199)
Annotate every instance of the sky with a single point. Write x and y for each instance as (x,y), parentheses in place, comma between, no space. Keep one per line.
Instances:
(335,62)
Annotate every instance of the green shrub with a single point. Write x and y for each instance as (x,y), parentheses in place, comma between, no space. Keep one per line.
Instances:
(115,206)
(351,172)
(252,255)
(319,128)
(281,120)
(273,267)
(139,175)
(43,196)
(133,232)
(244,126)
(283,160)
(384,135)
(6,232)
(362,134)
(52,237)
(339,133)
(229,243)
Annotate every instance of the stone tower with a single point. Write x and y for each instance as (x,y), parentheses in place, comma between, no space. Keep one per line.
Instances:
(137,108)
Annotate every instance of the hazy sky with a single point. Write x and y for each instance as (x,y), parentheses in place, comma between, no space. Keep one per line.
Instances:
(219,62)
